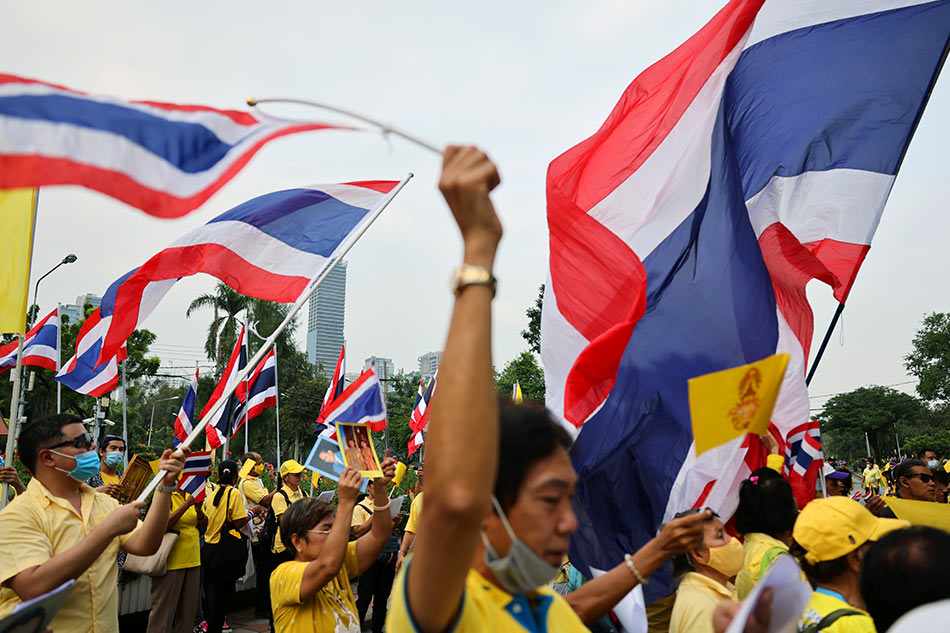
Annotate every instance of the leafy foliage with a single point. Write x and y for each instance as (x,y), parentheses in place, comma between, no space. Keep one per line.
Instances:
(929,362)
(226,304)
(532,333)
(878,411)
(527,372)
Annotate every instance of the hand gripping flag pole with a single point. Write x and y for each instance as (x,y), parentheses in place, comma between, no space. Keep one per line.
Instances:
(13,423)
(252,363)
(385,128)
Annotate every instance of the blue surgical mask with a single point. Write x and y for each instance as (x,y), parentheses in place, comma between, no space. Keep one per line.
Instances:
(87,465)
(932,464)
(114,459)
(521,571)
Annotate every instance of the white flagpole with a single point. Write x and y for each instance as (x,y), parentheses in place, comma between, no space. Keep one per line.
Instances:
(125,430)
(301,301)
(13,426)
(277,403)
(59,357)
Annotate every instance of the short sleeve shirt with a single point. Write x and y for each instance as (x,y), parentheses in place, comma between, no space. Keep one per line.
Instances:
(330,610)
(415,510)
(278,506)
(360,514)
(229,508)
(186,553)
(253,489)
(822,604)
(36,526)
(696,599)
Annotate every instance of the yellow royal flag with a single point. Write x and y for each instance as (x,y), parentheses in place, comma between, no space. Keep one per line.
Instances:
(17,217)
(400,472)
(516,393)
(728,404)
(936,515)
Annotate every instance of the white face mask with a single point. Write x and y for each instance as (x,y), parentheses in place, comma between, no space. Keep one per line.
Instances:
(932,464)
(521,571)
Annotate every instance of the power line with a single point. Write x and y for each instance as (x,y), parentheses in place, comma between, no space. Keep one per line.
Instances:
(896,384)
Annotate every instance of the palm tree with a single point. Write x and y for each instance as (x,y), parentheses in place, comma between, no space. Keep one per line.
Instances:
(226,303)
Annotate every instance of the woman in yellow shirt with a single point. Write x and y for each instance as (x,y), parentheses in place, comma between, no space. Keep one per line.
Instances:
(175,594)
(226,513)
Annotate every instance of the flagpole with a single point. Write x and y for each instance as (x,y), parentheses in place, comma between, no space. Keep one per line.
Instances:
(59,357)
(125,429)
(824,343)
(277,403)
(13,427)
(269,342)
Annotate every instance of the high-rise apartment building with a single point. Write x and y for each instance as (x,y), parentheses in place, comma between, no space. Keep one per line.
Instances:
(384,368)
(75,310)
(429,363)
(325,320)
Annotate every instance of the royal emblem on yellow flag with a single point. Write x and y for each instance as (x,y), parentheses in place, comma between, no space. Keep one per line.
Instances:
(727,404)
(17,215)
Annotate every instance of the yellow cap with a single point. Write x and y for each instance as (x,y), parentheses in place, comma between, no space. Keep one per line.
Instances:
(832,527)
(290,467)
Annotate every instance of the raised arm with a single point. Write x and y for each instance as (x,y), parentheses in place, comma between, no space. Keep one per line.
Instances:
(371,544)
(148,538)
(462,443)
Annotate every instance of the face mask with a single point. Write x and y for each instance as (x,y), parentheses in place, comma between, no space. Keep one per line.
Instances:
(114,459)
(727,559)
(521,571)
(87,465)
(932,464)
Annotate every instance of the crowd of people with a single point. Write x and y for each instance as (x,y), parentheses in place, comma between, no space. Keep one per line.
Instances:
(487,551)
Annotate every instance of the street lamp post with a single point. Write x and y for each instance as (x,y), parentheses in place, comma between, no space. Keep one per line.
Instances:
(152,418)
(69,259)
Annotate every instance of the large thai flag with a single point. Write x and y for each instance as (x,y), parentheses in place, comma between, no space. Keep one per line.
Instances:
(261,390)
(163,158)
(185,422)
(270,247)
(81,373)
(194,476)
(40,346)
(755,157)
(220,426)
(360,403)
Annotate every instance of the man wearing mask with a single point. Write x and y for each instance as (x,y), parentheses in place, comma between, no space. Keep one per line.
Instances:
(929,457)
(111,456)
(60,529)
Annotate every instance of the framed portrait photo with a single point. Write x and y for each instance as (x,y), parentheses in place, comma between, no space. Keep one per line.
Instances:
(325,459)
(356,442)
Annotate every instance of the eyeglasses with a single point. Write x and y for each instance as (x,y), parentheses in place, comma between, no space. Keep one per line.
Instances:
(83,440)
(924,477)
(318,531)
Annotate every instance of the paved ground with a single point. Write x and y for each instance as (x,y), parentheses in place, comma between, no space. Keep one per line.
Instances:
(245,622)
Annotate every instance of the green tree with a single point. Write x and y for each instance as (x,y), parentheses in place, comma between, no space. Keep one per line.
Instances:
(878,411)
(929,361)
(226,304)
(533,332)
(400,401)
(527,372)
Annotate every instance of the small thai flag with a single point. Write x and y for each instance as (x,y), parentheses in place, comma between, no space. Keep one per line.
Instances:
(194,476)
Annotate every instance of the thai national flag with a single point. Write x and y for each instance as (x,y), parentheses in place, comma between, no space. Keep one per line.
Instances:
(755,157)
(360,403)
(261,390)
(335,388)
(802,448)
(184,423)
(220,426)
(419,419)
(40,346)
(81,373)
(270,247)
(194,476)
(163,158)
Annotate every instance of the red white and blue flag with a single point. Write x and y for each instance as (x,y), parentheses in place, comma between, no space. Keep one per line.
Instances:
(270,247)
(755,157)
(40,346)
(82,373)
(221,425)
(334,389)
(804,460)
(164,158)
(261,390)
(360,403)
(194,476)
(419,420)
(185,422)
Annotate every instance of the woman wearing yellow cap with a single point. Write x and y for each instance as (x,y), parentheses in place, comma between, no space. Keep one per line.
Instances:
(830,539)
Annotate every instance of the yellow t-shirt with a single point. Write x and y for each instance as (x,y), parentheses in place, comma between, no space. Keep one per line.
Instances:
(415,510)
(821,604)
(186,552)
(37,526)
(360,514)
(485,607)
(760,551)
(278,506)
(110,479)
(230,507)
(331,607)
(253,489)
(696,599)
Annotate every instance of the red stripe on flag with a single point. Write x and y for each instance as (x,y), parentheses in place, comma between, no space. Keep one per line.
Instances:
(382,186)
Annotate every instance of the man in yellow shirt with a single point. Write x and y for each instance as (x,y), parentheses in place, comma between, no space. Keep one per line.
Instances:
(251,486)
(60,529)
(111,451)
(257,499)
(412,526)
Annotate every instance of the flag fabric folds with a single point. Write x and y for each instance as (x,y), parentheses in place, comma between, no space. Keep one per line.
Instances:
(18,214)
(804,460)
(220,426)
(419,419)
(336,386)
(194,476)
(270,247)
(185,421)
(261,390)
(516,395)
(81,372)
(755,157)
(40,346)
(360,403)
(163,158)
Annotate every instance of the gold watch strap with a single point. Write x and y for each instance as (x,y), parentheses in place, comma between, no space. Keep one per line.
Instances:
(467,275)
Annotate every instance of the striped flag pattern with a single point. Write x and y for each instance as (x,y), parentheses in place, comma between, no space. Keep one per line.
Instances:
(261,390)
(40,346)
(194,476)
(82,373)
(184,423)
(220,426)
(419,419)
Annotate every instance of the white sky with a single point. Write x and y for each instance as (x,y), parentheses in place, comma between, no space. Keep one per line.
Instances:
(525,81)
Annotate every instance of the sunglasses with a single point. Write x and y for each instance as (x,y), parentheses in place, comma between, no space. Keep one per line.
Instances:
(83,440)
(924,477)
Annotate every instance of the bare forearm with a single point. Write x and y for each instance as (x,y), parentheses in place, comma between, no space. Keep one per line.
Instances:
(148,538)
(69,565)
(319,572)
(407,540)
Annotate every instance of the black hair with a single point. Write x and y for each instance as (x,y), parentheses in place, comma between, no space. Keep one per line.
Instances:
(109,438)
(528,434)
(903,469)
(903,570)
(819,573)
(927,449)
(766,504)
(227,475)
(248,456)
(300,517)
(942,476)
(41,434)
(682,563)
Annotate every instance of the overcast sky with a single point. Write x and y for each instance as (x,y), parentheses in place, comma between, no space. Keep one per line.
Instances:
(525,81)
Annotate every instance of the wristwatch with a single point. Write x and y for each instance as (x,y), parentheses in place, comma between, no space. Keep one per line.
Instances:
(167,489)
(467,275)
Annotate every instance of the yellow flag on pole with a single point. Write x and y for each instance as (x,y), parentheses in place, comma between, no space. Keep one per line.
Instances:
(17,216)
(935,515)
(516,393)
(728,404)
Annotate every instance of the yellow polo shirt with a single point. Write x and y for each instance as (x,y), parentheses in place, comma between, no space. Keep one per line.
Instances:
(696,599)
(821,604)
(759,552)
(253,489)
(187,552)
(230,507)
(360,514)
(278,506)
(331,609)
(415,510)
(37,526)
(110,479)
(485,607)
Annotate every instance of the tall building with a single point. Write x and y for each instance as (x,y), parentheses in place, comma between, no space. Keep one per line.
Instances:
(75,310)
(325,321)
(429,363)
(384,368)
